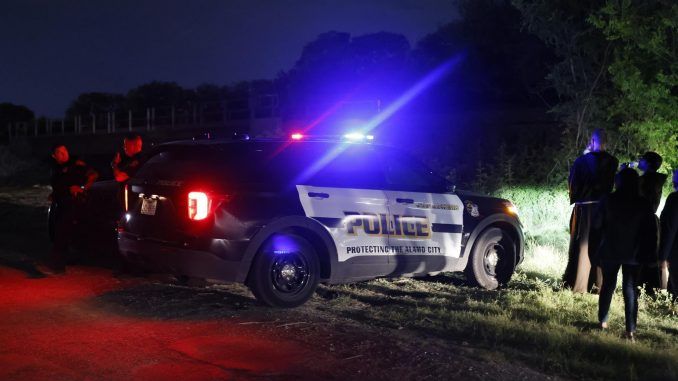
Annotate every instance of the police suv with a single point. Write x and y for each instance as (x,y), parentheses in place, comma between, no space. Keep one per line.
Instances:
(282,216)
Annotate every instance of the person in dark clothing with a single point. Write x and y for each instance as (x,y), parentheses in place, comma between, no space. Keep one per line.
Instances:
(651,184)
(126,163)
(71,179)
(628,234)
(668,243)
(591,178)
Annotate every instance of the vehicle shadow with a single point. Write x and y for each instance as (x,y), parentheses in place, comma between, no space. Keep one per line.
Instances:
(174,301)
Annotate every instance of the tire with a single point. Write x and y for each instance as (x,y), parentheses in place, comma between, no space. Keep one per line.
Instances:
(493,259)
(284,276)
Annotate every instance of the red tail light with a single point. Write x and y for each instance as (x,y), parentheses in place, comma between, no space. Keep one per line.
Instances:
(198,205)
(126,198)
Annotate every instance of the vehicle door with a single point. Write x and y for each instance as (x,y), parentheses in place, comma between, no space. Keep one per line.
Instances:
(343,190)
(426,221)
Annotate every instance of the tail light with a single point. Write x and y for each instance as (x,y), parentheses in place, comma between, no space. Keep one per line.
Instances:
(198,205)
(126,197)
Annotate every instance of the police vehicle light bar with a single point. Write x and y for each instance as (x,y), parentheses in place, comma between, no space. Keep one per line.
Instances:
(357,137)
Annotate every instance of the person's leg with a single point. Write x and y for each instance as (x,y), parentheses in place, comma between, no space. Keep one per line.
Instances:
(63,231)
(610,271)
(582,279)
(630,275)
(673,278)
(571,268)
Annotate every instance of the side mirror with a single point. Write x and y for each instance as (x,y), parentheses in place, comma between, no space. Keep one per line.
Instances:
(451,188)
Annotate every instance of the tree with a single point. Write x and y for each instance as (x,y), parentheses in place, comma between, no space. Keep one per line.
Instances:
(580,75)
(157,94)
(644,70)
(11,113)
(95,103)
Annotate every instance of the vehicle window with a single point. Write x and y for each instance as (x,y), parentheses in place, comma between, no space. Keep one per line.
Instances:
(271,166)
(408,174)
(348,166)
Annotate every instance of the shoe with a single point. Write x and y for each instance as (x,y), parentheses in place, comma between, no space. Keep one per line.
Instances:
(630,336)
(603,325)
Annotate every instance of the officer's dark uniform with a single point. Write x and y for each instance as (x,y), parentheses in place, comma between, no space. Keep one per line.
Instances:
(66,209)
(129,165)
(591,178)
(668,243)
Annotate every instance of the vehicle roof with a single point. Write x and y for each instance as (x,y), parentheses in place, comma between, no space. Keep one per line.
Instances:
(216,142)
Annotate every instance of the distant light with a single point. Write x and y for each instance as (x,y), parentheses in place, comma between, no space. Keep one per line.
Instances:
(356,137)
(297,136)
(128,217)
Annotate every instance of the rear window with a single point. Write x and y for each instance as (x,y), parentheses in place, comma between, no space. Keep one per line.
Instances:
(269,165)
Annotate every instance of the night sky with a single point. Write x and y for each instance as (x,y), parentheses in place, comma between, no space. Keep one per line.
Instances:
(53,50)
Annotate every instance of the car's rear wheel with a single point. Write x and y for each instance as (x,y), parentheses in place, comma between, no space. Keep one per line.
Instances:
(492,259)
(285,272)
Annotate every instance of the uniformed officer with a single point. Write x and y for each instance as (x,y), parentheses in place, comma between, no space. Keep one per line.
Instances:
(668,242)
(591,178)
(71,179)
(126,163)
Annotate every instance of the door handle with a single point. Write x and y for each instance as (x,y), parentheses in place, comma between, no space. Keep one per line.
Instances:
(318,195)
(404,201)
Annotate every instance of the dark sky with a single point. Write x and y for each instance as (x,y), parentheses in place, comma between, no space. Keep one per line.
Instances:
(53,50)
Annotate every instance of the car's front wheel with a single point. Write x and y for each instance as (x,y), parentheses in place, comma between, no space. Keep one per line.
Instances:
(285,272)
(492,259)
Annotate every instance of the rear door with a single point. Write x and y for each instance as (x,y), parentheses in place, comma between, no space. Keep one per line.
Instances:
(343,189)
(426,221)
(157,198)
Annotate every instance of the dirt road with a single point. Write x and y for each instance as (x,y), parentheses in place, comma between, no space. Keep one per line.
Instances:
(92,325)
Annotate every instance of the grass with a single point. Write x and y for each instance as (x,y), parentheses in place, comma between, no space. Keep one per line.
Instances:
(534,320)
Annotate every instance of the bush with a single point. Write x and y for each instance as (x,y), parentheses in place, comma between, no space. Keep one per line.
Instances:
(545,215)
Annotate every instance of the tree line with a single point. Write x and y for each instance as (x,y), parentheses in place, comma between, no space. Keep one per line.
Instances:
(535,77)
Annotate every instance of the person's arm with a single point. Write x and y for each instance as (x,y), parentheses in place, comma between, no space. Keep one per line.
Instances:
(573,182)
(92,175)
(119,175)
(89,177)
(669,227)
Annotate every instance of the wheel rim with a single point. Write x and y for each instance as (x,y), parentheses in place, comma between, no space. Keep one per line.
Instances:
(493,254)
(289,273)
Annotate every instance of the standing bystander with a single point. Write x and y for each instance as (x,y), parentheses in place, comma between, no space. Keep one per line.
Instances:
(651,184)
(668,243)
(628,240)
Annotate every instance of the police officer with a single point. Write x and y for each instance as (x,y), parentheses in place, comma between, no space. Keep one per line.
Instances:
(591,178)
(668,243)
(71,179)
(126,163)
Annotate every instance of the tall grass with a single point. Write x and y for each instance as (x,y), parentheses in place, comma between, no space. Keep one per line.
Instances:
(545,215)
(534,320)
